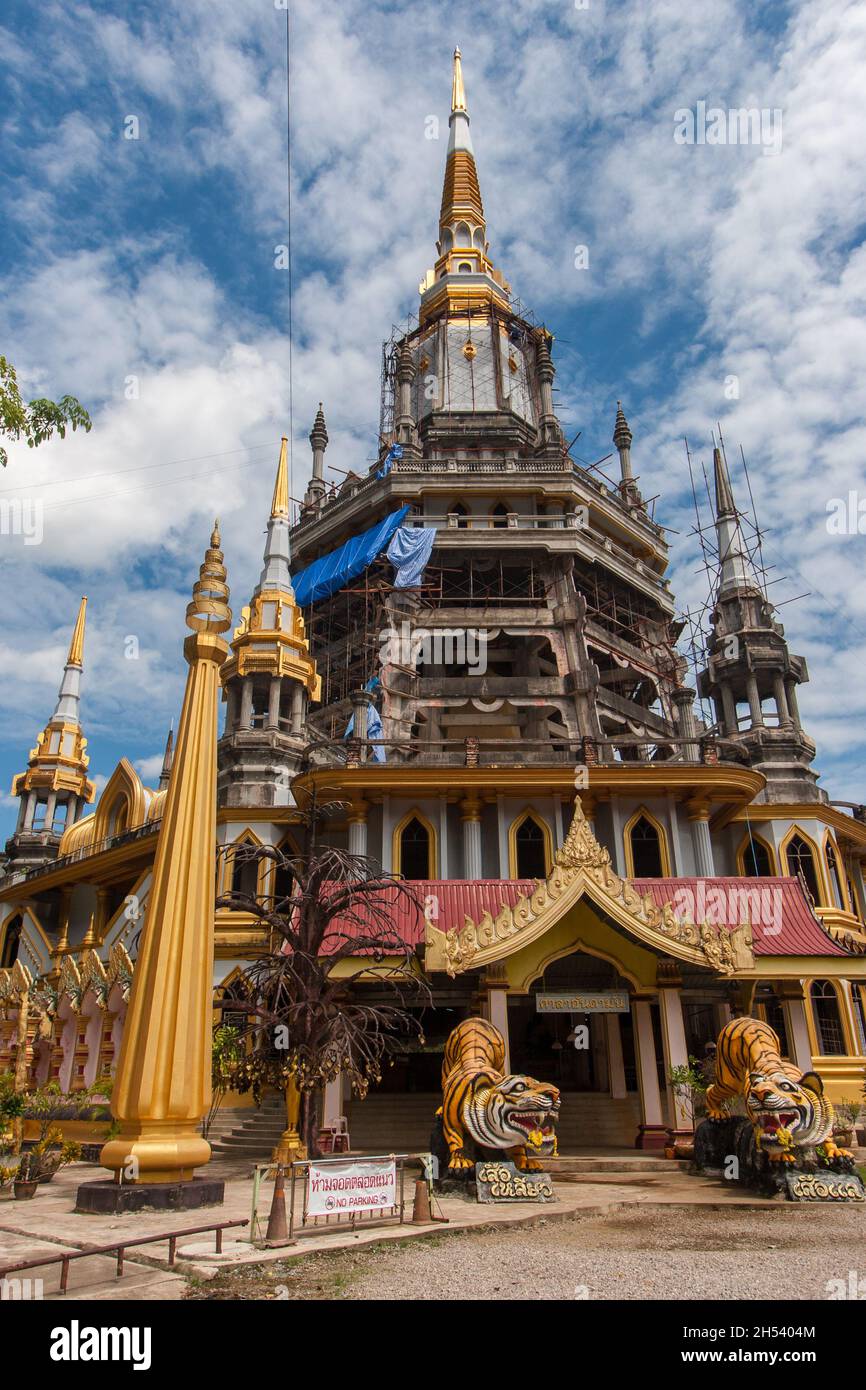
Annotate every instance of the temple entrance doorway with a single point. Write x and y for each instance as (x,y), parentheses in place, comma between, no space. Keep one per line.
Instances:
(588,1053)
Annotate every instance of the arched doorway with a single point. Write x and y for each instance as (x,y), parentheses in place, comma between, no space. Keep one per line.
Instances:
(572,1049)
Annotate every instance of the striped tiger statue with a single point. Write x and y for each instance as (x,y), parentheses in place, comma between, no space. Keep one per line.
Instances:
(514,1113)
(787,1107)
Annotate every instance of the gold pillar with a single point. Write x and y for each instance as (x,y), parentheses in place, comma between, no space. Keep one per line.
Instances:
(163,1085)
(290,1147)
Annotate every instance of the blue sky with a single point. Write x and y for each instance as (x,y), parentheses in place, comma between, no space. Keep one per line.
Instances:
(139,275)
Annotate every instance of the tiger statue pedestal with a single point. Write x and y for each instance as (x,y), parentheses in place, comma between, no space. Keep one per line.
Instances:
(788,1123)
(481,1106)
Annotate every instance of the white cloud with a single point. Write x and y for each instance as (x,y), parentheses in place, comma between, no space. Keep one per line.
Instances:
(573,124)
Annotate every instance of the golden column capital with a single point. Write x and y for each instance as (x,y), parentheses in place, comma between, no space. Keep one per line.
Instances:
(163,1084)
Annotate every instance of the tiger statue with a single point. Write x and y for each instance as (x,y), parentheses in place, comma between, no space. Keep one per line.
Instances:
(788,1109)
(515,1113)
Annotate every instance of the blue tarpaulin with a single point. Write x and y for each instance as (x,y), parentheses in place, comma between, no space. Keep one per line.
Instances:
(409,553)
(374,723)
(334,571)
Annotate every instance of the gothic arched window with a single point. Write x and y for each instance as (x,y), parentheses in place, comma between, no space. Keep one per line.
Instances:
(801,860)
(415,850)
(530,849)
(828,1019)
(499,515)
(756,859)
(647,856)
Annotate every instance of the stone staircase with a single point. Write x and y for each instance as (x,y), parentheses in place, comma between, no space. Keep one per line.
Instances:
(249,1133)
(393,1123)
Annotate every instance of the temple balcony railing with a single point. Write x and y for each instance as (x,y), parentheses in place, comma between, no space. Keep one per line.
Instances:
(88,851)
(474,751)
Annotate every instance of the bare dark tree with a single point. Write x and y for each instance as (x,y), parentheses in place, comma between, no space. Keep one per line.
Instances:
(332,923)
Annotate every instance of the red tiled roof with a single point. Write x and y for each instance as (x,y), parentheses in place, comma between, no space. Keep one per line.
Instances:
(783,923)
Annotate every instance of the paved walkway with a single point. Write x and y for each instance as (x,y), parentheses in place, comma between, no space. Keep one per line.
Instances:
(48,1224)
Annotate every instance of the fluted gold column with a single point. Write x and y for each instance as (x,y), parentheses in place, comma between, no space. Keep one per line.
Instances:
(163,1085)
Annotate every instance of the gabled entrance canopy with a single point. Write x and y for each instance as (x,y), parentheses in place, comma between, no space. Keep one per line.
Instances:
(582,869)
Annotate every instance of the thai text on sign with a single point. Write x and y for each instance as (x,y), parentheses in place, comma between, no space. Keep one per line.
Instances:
(348,1187)
(582,1001)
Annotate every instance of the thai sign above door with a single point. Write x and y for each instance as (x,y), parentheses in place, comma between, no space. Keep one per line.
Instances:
(584,1001)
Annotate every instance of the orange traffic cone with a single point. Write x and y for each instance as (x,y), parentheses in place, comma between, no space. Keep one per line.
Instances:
(278,1231)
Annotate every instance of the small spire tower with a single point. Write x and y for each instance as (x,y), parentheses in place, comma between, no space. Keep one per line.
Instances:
(268,678)
(751,675)
(55,787)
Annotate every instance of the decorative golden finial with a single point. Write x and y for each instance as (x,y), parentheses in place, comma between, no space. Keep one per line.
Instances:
(458,93)
(76,646)
(280,504)
(208,610)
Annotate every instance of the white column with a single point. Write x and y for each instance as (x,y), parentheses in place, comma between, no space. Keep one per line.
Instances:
(615,1064)
(497,1007)
(702,842)
(652,1128)
(470,817)
(675,1050)
(358,828)
(798,1034)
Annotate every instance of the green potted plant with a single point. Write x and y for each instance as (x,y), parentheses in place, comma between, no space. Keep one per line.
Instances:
(26,1181)
(7,1176)
(689,1085)
(845,1113)
(11,1109)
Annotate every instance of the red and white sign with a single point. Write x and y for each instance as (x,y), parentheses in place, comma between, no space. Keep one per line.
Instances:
(356,1185)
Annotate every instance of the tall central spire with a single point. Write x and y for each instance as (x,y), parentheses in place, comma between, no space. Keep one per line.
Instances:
(464,275)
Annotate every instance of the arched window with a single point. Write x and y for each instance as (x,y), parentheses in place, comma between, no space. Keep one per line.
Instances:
(756,859)
(835,876)
(282,880)
(499,515)
(463,235)
(462,516)
(530,849)
(415,850)
(465,268)
(118,819)
(11,942)
(828,1019)
(646,849)
(244,868)
(801,860)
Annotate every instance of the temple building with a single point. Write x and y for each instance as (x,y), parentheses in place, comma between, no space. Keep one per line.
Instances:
(472,644)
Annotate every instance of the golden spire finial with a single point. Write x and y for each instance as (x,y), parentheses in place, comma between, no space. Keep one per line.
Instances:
(458,92)
(215,538)
(280,504)
(76,646)
(209,609)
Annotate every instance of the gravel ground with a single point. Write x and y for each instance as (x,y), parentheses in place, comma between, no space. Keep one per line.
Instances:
(684,1253)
